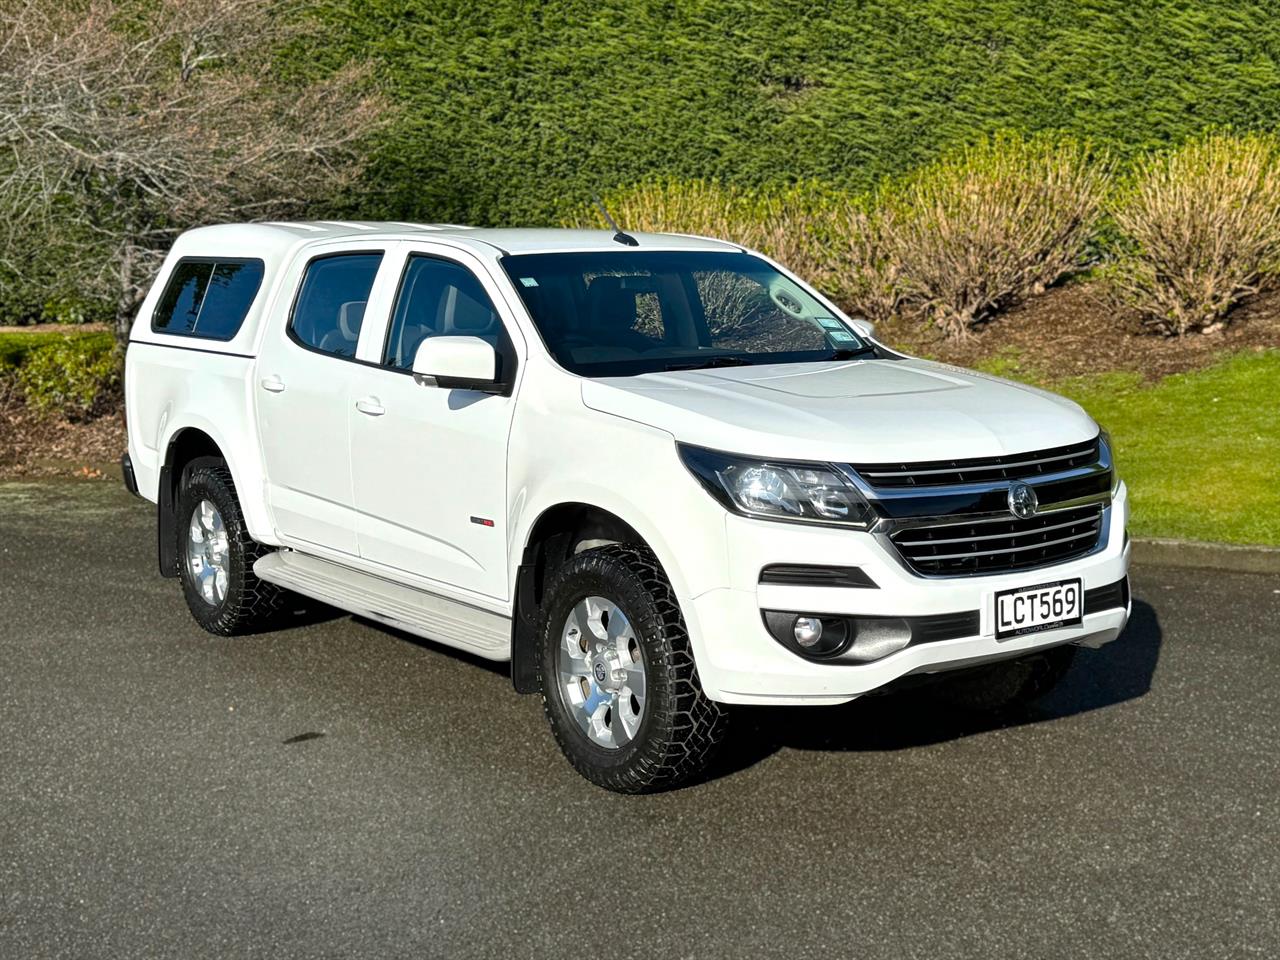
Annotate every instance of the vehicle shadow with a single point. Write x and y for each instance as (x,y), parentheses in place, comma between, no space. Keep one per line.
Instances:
(301,612)
(501,668)
(915,717)
(1122,670)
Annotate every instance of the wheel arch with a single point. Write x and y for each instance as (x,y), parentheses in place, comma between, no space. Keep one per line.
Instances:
(187,442)
(559,531)
(184,445)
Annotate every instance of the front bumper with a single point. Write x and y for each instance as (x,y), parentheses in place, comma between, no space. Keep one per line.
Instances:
(739,662)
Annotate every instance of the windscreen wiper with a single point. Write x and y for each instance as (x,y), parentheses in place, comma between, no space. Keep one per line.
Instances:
(724,361)
(848,353)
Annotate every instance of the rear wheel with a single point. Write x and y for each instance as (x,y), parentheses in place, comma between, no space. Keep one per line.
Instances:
(1010,683)
(217,555)
(619,684)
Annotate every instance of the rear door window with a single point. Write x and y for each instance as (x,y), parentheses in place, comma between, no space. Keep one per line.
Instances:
(329,311)
(208,298)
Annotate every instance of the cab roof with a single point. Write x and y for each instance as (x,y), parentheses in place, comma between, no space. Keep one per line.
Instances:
(258,239)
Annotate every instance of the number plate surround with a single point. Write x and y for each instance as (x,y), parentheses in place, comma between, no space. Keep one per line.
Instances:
(1007,631)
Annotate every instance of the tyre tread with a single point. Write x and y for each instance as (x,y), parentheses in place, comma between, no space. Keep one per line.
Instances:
(691,727)
(252,605)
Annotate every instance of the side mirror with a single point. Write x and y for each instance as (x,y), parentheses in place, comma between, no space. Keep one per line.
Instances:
(459,363)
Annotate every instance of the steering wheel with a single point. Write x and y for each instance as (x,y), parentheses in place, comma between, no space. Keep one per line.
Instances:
(786,301)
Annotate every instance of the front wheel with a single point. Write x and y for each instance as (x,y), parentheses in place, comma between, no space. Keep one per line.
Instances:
(619,684)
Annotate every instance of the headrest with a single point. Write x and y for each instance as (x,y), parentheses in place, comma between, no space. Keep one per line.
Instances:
(609,305)
(350,314)
(472,316)
(460,314)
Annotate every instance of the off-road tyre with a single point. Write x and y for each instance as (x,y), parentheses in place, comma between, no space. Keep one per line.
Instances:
(250,605)
(1012,683)
(681,728)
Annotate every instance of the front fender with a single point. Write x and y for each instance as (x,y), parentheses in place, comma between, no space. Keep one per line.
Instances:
(639,478)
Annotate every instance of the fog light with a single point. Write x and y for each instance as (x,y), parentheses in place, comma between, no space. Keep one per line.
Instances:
(811,635)
(808,631)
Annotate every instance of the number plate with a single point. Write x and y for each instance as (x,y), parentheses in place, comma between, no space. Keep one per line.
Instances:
(1043,607)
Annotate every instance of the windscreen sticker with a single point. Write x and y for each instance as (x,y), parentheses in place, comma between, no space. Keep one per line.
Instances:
(529,281)
(830,323)
(841,336)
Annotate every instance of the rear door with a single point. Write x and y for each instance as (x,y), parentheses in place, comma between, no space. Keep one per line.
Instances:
(306,373)
(429,464)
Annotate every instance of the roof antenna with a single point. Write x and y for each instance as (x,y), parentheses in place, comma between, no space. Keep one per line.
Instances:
(618,235)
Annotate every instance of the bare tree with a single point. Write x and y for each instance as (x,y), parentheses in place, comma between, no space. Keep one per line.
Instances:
(124,123)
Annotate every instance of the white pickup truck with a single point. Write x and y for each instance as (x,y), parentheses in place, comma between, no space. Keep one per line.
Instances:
(658,474)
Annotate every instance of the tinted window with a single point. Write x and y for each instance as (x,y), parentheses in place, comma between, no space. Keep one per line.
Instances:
(208,298)
(619,313)
(331,302)
(438,298)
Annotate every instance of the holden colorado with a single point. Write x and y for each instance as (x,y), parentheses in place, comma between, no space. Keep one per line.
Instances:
(659,475)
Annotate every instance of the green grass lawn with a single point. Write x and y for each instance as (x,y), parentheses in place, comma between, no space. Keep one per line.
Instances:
(1199,451)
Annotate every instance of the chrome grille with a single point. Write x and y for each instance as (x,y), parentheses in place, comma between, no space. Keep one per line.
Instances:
(1021,466)
(998,544)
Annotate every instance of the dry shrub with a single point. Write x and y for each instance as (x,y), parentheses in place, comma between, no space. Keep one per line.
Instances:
(769,221)
(835,241)
(1200,230)
(123,123)
(956,241)
(991,224)
(866,266)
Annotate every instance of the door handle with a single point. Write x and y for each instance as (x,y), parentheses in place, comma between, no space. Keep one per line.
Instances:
(371,406)
(273,384)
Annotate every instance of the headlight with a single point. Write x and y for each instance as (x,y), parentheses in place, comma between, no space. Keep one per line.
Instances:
(779,489)
(1115,468)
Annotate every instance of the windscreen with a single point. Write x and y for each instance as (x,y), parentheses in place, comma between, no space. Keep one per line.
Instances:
(625,312)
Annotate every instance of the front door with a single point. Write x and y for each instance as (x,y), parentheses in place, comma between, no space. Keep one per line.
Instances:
(429,464)
(303,384)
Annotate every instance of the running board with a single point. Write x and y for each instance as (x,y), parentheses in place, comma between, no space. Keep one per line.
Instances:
(406,608)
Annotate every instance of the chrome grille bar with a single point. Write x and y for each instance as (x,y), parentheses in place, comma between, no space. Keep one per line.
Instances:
(1022,549)
(949,472)
(985,536)
(1040,540)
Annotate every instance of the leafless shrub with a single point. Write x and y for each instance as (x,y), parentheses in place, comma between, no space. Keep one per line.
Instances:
(124,123)
(1200,230)
(989,225)
(865,267)
(829,238)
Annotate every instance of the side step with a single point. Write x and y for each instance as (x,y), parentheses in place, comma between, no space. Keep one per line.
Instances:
(414,611)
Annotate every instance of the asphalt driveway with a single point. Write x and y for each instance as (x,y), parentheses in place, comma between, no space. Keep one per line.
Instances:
(341,790)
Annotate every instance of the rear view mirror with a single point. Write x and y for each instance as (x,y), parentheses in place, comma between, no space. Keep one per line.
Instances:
(459,363)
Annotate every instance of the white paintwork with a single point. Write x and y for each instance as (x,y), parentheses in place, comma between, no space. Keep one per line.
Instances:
(379,474)
(864,411)
(456,358)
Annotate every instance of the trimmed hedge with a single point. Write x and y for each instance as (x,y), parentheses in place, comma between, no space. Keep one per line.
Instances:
(515,113)
(75,376)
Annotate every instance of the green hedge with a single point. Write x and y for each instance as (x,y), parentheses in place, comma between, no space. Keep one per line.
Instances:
(68,375)
(515,112)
